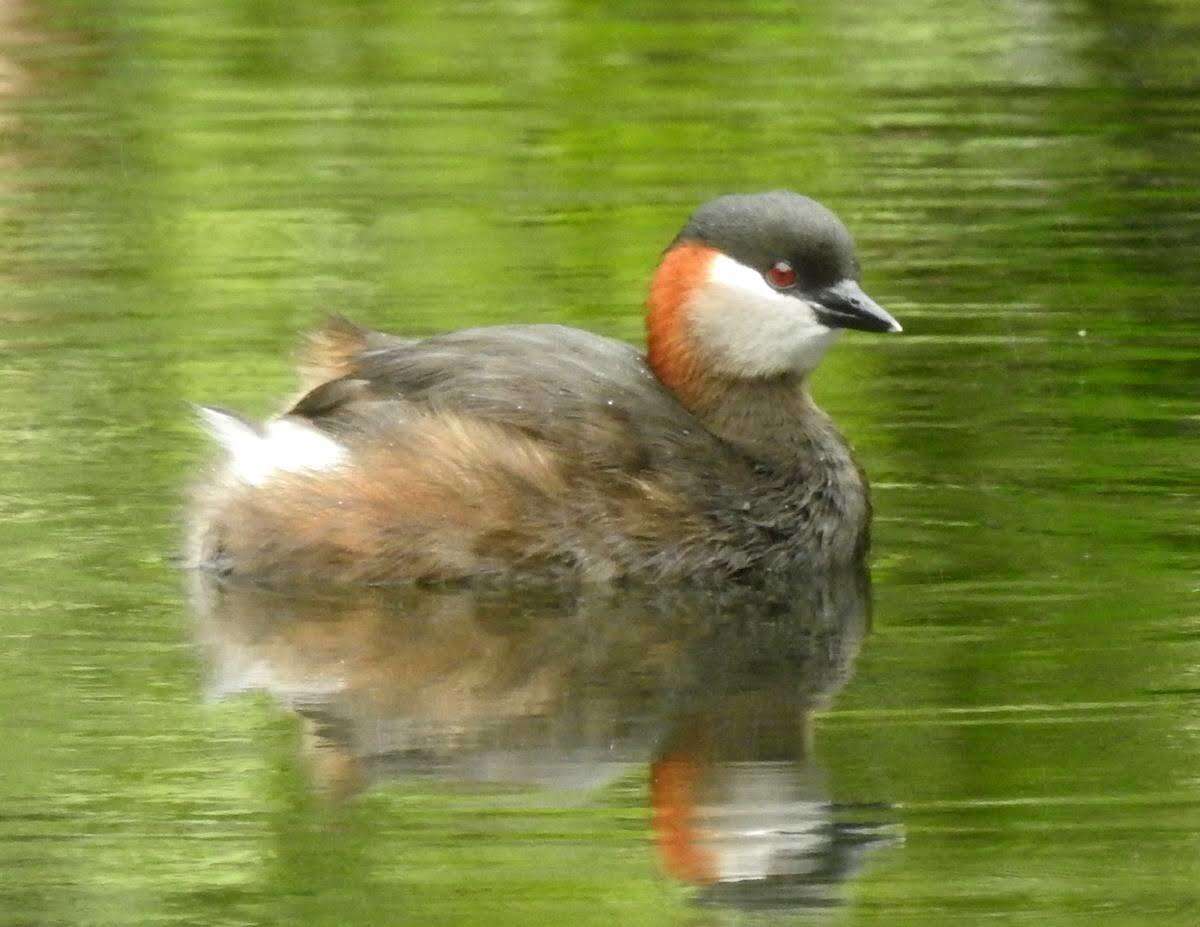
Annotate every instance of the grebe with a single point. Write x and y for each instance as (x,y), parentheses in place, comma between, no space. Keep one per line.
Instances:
(543,449)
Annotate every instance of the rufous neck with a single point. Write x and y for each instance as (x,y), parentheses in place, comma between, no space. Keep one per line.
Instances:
(770,417)
(670,349)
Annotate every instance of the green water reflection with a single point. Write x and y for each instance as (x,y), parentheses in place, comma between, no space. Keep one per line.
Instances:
(184,187)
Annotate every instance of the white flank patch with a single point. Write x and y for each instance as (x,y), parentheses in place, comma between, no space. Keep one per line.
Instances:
(748,329)
(283,446)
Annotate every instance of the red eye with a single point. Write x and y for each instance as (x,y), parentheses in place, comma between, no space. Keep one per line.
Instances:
(781,275)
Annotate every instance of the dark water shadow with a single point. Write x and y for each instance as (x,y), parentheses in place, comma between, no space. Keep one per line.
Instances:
(712,692)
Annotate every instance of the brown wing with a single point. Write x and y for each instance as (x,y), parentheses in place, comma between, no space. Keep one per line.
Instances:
(483,450)
(475,452)
(590,398)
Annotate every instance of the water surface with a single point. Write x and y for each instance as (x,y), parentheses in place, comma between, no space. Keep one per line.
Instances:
(183,190)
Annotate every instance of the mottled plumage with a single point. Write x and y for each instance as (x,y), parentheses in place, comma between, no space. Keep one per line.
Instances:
(542,449)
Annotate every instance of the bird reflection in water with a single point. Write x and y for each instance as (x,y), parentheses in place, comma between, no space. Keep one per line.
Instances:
(715,690)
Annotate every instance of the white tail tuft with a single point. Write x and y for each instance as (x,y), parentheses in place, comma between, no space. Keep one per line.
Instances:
(230,431)
(284,445)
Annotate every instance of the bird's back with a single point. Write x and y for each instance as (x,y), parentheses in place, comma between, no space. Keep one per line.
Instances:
(534,447)
(579,392)
(521,449)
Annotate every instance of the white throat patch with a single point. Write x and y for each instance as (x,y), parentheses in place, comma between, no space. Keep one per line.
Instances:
(747,329)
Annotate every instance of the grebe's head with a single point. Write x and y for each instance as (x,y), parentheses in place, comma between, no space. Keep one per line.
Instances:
(755,286)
